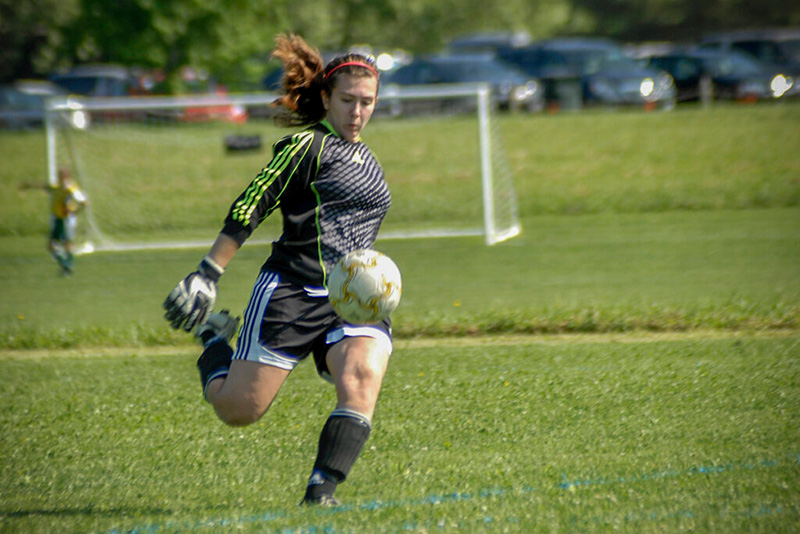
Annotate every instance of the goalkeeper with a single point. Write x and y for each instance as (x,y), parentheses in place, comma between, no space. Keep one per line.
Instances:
(333,197)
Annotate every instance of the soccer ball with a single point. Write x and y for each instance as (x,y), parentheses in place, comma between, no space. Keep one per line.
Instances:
(364,287)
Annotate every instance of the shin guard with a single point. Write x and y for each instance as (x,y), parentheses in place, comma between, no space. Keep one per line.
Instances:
(340,443)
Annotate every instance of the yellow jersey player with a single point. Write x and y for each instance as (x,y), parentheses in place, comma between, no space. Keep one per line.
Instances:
(66,200)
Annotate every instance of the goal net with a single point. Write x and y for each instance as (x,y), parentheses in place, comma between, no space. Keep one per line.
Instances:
(161,172)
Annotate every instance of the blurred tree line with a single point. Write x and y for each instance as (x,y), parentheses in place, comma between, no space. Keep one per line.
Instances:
(233,38)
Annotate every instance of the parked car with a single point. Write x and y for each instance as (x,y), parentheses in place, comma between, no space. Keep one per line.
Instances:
(510,88)
(732,75)
(778,47)
(98,80)
(224,111)
(580,72)
(23,103)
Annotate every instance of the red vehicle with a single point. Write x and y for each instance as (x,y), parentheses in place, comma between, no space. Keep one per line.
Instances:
(222,111)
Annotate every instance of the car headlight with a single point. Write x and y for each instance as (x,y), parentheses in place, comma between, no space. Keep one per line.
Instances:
(526,91)
(779,85)
(647,87)
(663,88)
(79,119)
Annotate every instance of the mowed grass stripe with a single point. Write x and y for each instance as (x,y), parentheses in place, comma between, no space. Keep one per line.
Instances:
(425,342)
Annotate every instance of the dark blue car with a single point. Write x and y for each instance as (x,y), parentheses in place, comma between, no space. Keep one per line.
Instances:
(730,75)
(511,89)
(592,72)
(778,47)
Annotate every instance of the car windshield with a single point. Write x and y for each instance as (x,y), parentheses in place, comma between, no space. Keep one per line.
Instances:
(83,85)
(680,68)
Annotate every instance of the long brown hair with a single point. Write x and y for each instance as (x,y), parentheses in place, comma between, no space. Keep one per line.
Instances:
(305,76)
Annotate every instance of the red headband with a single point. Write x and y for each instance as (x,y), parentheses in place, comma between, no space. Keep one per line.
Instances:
(351,63)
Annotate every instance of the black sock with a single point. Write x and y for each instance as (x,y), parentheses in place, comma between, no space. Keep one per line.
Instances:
(214,362)
(340,443)
(207,336)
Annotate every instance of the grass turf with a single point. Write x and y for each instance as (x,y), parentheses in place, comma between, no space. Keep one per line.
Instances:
(673,271)
(646,434)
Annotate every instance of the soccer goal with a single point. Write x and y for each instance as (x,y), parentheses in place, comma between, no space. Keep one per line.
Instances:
(160,172)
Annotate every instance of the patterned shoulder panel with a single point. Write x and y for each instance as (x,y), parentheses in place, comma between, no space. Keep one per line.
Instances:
(272,181)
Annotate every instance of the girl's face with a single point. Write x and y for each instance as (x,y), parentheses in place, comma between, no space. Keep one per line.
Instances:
(350,105)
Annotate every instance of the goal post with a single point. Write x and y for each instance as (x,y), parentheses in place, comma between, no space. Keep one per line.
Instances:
(500,214)
(160,172)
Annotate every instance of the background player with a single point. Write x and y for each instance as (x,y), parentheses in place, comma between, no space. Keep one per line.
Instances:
(67,199)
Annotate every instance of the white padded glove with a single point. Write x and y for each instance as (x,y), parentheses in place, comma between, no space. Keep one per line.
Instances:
(192,300)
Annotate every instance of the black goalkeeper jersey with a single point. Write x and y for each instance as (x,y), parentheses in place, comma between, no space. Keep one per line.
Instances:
(333,197)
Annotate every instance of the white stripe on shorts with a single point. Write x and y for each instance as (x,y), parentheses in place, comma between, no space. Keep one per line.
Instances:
(338,334)
(247,344)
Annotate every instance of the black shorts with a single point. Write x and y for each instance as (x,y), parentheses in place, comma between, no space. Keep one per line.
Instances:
(62,229)
(284,323)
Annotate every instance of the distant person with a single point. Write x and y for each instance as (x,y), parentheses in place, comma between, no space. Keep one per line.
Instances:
(67,199)
(332,195)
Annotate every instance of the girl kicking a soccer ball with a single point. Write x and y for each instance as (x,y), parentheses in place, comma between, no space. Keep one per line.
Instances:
(333,197)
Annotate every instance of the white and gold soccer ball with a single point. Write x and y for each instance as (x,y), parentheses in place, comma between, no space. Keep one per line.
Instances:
(364,287)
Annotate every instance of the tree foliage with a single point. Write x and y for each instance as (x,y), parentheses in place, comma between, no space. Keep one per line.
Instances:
(638,20)
(233,38)
(31,33)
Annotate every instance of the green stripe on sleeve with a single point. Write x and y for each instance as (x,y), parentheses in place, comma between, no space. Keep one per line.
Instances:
(244,207)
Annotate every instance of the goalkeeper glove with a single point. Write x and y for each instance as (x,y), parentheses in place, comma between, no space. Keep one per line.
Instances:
(192,300)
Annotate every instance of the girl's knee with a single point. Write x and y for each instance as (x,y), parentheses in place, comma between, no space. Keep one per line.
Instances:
(238,414)
(246,394)
(237,410)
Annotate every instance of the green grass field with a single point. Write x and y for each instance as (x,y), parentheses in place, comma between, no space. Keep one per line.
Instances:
(547,434)
(630,363)
(659,272)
